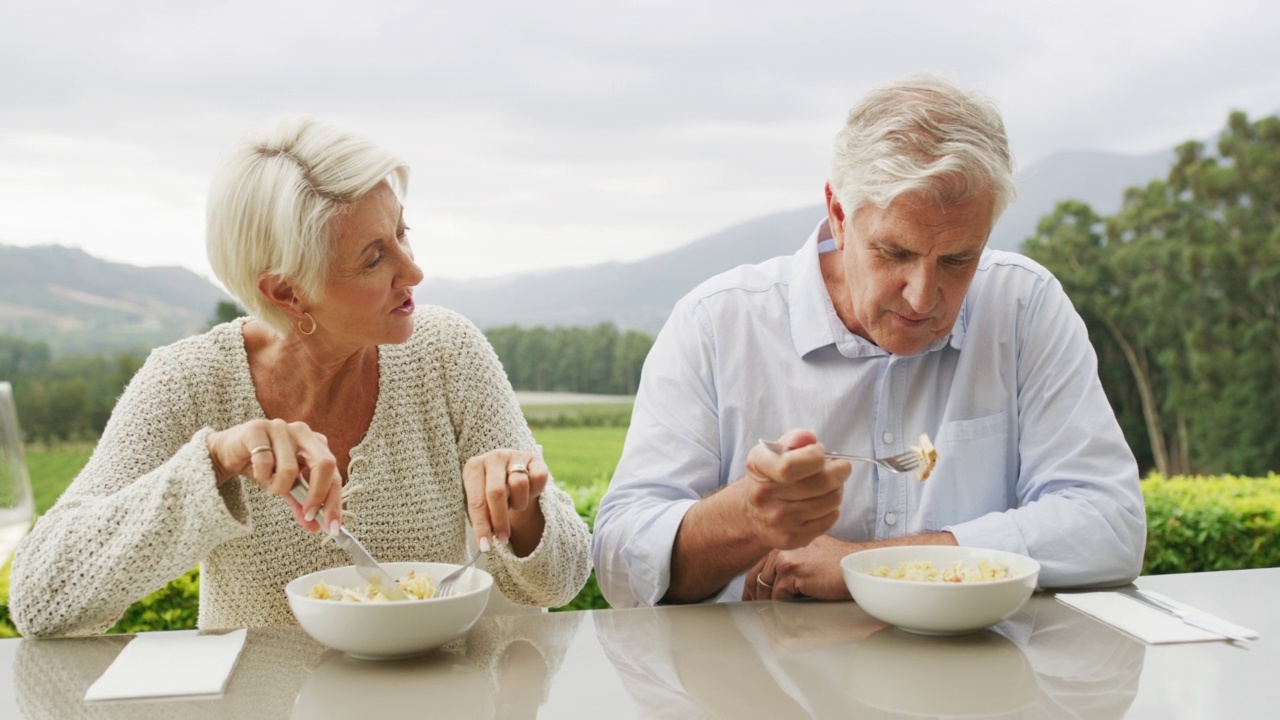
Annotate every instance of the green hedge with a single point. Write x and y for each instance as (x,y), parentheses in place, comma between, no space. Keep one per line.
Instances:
(173,607)
(1211,523)
(1194,524)
(587,500)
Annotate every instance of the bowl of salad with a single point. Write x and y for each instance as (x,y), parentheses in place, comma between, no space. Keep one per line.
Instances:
(340,610)
(939,589)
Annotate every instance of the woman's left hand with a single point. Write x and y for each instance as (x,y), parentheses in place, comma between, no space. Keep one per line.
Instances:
(502,489)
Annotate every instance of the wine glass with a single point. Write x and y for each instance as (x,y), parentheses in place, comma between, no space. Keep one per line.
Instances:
(17,508)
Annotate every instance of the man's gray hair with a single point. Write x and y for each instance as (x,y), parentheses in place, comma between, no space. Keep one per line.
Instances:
(922,135)
(273,201)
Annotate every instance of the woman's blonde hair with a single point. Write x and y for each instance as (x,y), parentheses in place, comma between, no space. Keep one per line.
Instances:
(273,201)
(923,135)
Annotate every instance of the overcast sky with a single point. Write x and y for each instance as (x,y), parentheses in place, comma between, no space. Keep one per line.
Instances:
(557,133)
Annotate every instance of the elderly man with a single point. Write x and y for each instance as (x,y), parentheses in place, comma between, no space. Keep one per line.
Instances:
(891,321)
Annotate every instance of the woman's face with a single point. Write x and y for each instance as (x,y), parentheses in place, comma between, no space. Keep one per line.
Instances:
(369,287)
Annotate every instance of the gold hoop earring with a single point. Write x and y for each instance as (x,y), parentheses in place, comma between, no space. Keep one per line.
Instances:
(305,331)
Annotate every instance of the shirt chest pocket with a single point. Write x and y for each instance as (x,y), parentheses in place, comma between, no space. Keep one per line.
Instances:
(972,477)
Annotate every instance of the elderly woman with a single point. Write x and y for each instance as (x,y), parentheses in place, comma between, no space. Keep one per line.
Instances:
(399,414)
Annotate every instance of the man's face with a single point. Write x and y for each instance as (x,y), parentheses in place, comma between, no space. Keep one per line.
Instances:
(906,268)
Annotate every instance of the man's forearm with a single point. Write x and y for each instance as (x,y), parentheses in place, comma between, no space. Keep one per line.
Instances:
(938,538)
(713,545)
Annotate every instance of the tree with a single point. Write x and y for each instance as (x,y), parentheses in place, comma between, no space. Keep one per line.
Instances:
(1184,282)
(597,359)
(20,358)
(226,311)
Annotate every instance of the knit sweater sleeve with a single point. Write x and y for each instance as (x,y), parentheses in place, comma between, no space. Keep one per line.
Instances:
(486,416)
(144,510)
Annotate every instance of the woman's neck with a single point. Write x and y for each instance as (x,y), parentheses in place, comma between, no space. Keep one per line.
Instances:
(334,392)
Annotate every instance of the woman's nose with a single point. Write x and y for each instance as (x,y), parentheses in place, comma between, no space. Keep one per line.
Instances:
(411,274)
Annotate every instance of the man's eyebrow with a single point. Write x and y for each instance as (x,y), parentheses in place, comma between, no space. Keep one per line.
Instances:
(887,243)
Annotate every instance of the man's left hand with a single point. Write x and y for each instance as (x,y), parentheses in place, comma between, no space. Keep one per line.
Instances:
(812,571)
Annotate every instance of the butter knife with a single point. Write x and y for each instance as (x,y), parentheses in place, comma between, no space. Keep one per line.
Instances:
(368,568)
(1192,617)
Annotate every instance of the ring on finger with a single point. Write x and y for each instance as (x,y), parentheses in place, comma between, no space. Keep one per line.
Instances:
(260,449)
(760,581)
(517,468)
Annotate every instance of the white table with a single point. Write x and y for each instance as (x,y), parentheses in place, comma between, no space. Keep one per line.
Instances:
(742,660)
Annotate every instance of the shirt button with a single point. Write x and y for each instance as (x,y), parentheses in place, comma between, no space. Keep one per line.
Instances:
(888,437)
(890,519)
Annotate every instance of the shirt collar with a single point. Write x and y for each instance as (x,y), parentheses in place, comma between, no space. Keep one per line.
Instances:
(814,322)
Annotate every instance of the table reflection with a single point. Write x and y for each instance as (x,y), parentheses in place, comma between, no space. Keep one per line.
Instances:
(443,685)
(887,671)
(801,660)
(503,669)
(1084,668)
(51,676)
(521,655)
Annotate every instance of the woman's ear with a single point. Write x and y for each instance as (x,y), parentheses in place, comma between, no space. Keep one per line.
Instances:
(279,291)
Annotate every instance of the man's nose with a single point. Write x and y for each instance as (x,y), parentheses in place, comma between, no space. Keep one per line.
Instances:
(922,290)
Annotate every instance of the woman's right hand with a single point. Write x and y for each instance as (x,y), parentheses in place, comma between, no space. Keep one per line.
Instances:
(274,454)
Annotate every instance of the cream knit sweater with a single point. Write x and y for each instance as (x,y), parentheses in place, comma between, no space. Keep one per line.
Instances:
(146,509)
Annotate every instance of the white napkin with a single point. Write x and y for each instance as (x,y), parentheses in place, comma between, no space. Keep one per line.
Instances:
(1135,618)
(170,664)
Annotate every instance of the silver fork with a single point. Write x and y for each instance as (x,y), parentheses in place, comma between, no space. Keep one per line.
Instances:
(906,462)
(446,585)
(366,566)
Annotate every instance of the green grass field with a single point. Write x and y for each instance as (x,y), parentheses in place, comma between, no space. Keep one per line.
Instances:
(52,470)
(577,456)
(581,456)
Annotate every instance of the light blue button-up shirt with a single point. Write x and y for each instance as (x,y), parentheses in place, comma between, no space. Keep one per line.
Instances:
(1031,459)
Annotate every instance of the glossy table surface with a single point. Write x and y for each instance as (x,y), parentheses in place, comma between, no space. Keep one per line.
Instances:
(743,660)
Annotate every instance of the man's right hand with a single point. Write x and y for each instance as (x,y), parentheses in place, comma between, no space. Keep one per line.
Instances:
(782,502)
(793,498)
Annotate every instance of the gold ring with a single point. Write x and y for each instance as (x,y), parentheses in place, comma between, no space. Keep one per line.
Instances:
(760,581)
(517,468)
(260,449)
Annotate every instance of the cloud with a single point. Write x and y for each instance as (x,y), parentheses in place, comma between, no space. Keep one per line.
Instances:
(560,132)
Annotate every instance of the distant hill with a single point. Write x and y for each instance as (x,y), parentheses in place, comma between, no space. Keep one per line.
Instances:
(641,294)
(1096,178)
(78,303)
(634,295)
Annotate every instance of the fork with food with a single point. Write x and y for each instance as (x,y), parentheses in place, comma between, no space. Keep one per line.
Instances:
(920,459)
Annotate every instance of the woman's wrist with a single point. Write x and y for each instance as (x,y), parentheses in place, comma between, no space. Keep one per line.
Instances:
(220,474)
(527,528)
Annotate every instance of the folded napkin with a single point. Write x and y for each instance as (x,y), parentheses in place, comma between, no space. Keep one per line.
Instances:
(170,664)
(1142,621)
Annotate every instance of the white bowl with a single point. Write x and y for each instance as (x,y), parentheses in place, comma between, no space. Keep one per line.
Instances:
(938,608)
(389,630)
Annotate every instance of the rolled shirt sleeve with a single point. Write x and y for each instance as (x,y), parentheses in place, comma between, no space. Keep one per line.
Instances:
(671,458)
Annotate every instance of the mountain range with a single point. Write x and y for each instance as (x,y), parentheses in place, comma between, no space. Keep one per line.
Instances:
(641,294)
(76,302)
(79,303)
